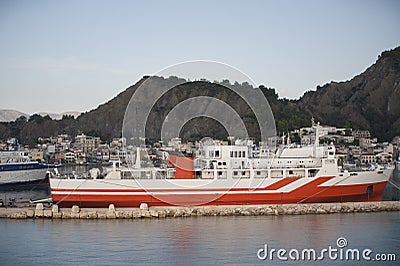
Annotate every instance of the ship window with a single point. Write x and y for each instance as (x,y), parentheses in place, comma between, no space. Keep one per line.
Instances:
(235,173)
(239,154)
(219,163)
(216,153)
(235,154)
(231,153)
(312,172)
(243,154)
(243,173)
(330,153)
(258,173)
(290,172)
(223,163)
(220,173)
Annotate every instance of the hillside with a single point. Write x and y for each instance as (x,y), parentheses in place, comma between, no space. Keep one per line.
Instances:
(368,101)
(7,115)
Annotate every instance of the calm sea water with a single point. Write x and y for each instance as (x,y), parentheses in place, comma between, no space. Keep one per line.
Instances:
(197,240)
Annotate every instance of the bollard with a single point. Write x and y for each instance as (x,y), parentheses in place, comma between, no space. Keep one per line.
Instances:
(144,206)
(75,209)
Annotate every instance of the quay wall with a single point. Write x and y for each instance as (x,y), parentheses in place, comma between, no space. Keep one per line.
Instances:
(53,212)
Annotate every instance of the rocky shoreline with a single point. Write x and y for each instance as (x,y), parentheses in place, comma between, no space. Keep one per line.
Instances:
(41,212)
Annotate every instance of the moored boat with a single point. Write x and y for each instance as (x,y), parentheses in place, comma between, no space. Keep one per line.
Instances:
(18,171)
(228,175)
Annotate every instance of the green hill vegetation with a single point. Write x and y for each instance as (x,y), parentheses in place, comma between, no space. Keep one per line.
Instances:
(369,101)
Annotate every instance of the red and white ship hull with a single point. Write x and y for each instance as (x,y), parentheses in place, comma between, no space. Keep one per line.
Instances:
(361,186)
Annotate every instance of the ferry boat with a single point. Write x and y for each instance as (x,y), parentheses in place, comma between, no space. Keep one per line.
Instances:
(17,170)
(236,174)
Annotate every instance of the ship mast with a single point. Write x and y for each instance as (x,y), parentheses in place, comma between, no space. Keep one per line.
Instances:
(316,139)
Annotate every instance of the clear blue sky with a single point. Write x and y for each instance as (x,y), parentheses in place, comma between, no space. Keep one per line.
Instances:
(74,55)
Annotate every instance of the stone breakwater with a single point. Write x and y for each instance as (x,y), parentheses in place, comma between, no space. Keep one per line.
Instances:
(41,212)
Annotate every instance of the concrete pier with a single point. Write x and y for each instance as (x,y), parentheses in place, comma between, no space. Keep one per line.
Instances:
(53,212)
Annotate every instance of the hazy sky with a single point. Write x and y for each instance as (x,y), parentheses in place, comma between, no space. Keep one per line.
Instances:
(74,55)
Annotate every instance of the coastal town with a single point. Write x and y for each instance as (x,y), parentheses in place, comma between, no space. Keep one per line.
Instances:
(353,147)
(200,132)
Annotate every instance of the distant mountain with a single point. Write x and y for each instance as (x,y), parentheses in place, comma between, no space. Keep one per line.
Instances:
(369,101)
(57,116)
(10,115)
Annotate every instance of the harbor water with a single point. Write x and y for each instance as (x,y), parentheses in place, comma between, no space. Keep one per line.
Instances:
(198,240)
(195,240)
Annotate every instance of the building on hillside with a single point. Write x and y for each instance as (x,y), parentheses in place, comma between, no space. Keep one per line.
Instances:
(367,158)
(361,134)
(103,153)
(36,155)
(80,157)
(86,143)
(383,158)
(70,157)
(118,143)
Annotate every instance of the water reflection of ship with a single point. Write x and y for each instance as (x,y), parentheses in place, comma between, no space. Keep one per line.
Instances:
(24,197)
